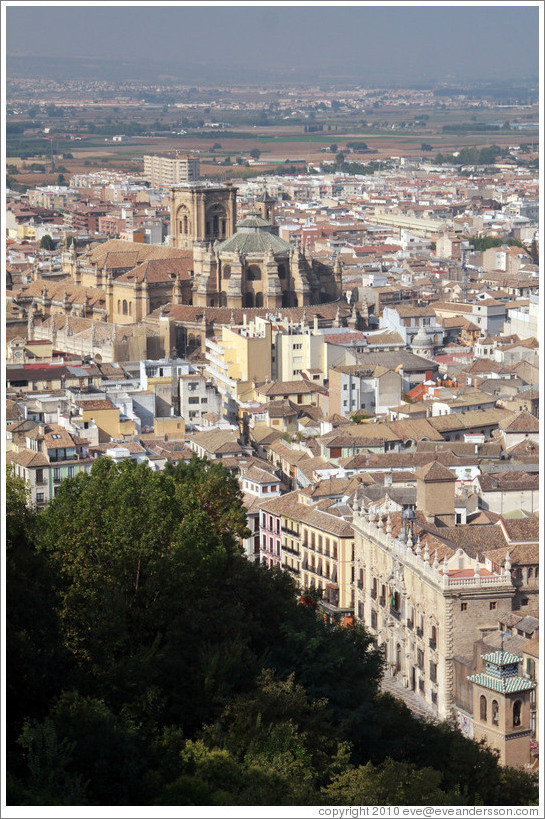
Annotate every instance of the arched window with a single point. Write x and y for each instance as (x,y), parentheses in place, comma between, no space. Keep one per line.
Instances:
(214,217)
(249,300)
(483,708)
(259,299)
(226,271)
(517,705)
(433,639)
(281,271)
(124,307)
(130,308)
(119,305)
(253,274)
(495,713)
(223,299)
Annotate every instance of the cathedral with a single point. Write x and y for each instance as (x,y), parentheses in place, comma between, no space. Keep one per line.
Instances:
(245,263)
(215,265)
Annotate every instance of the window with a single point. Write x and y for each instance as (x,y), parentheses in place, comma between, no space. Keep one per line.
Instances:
(56,474)
(495,713)
(70,471)
(433,638)
(492,605)
(373,619)
(463,606)
(420,659)
(483,708)
(39,497)
(517,706)
(531,668)
(39,476)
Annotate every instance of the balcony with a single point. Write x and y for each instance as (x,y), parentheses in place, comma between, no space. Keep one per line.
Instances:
(374,594)
(382,601)
(395,613)
(360,584)
(433,644)
(410,625)
(419,632)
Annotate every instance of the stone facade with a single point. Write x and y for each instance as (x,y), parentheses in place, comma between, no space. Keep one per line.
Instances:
(423,611)
(202,212)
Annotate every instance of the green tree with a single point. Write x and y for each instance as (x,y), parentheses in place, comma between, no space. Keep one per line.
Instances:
(61,180)
(255,153)
(426,146)
(334,148)
(36,662)
(47,242)
(390,783)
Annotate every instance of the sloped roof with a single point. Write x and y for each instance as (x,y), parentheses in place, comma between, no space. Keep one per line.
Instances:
(155,271)
(502,686)
(513,481)
(27,458)
(434,471)
(523,422)
(99,253)
(520,530)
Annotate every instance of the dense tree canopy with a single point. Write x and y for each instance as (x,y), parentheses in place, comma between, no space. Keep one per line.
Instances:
(150,663)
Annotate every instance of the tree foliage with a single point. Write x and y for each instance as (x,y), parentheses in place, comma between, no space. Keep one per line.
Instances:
(46,242)
(149,662)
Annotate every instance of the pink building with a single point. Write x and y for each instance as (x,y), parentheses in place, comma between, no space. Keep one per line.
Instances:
(271,537)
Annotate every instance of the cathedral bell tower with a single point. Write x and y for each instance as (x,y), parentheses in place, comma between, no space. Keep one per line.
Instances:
(202,212)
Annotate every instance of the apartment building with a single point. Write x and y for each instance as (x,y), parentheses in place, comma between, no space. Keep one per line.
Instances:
(313,544)
(163,172)
(198,397)
(43,456)
(371,390)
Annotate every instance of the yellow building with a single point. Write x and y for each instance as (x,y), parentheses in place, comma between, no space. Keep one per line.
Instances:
(106,416)
(171,428)
(235,360)
(317,549)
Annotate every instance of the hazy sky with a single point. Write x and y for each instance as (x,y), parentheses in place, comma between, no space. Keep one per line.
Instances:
(409,41)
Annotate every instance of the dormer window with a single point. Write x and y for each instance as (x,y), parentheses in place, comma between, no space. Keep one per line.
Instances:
(55,435)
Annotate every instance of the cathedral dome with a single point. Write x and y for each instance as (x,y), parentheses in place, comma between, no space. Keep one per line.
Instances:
(254,235)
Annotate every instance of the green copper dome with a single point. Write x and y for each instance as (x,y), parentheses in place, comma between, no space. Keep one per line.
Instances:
(254,236)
